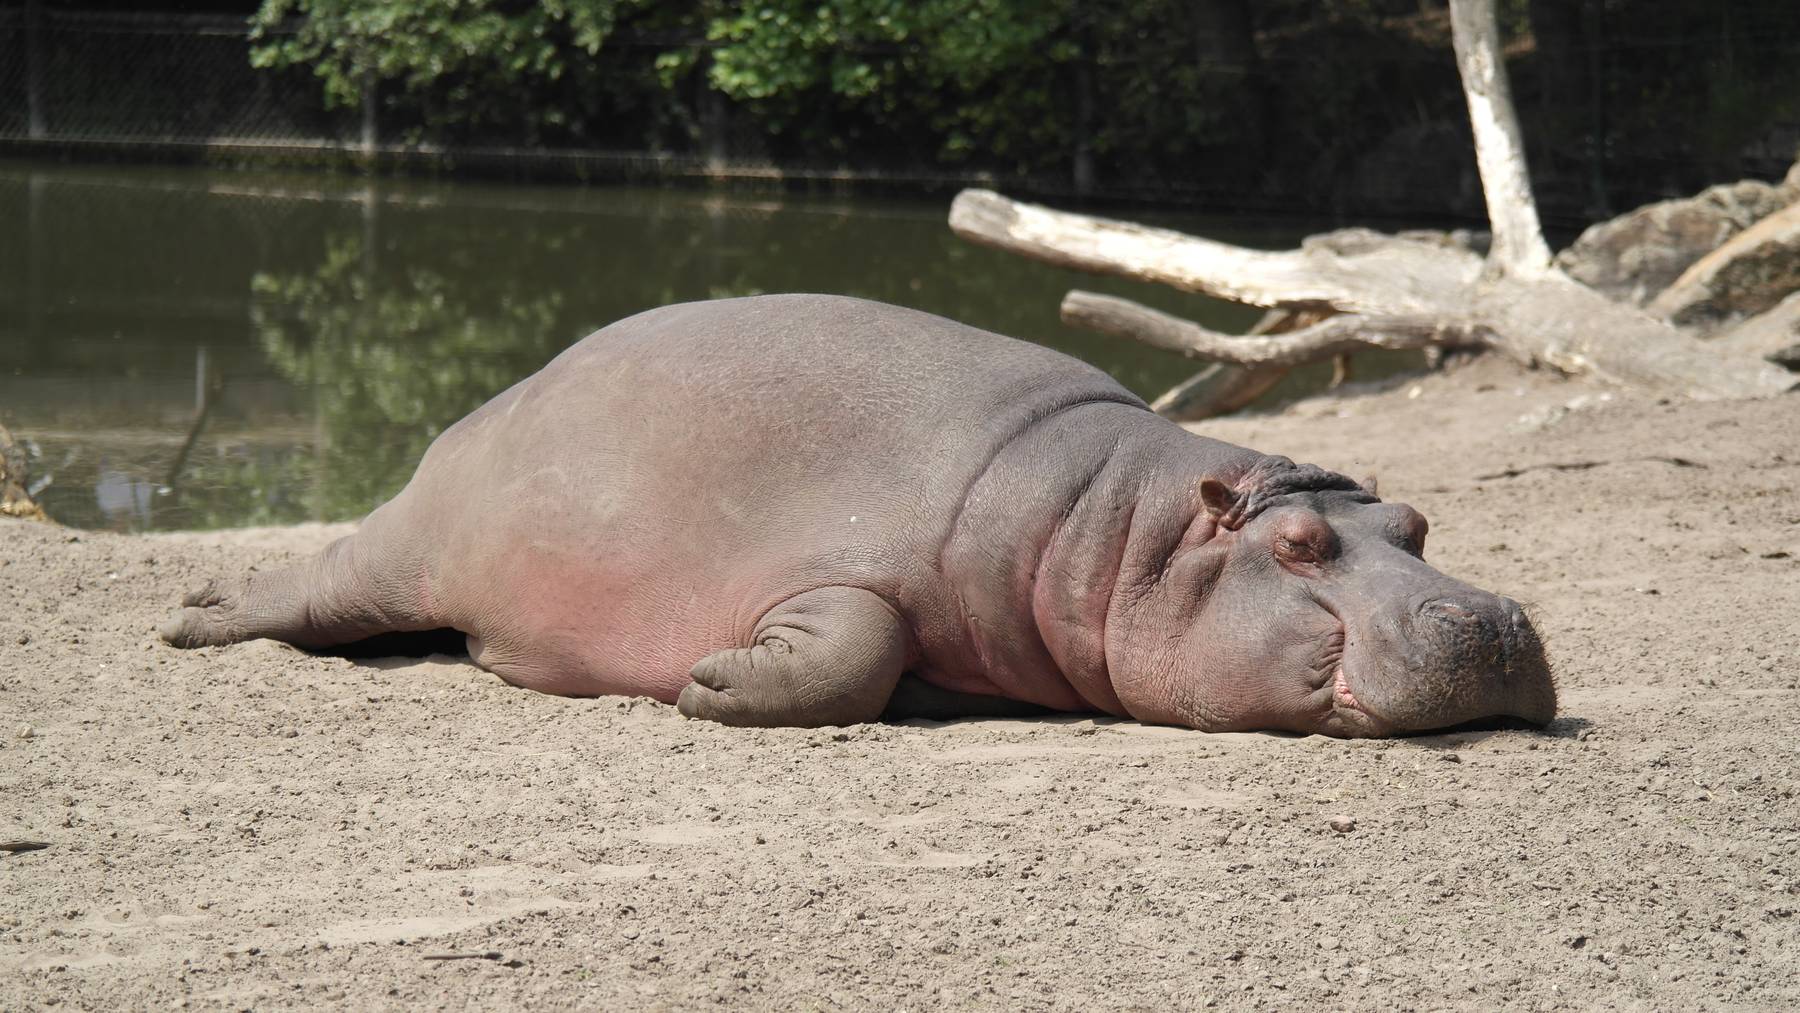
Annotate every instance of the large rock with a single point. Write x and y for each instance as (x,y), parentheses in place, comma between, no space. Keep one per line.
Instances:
(1634,257)
(1748,275)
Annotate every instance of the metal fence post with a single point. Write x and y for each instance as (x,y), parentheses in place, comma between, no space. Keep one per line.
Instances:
(36,260)
(369,133)
(34,69)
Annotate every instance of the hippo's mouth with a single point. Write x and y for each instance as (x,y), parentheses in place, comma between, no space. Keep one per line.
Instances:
(1348,714)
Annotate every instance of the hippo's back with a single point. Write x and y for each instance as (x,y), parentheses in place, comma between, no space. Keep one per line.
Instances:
(668,479)
(832,368)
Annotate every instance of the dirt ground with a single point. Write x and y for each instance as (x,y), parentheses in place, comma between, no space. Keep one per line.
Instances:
(255,827)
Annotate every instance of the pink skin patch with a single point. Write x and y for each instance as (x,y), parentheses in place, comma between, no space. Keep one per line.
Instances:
(1340,690)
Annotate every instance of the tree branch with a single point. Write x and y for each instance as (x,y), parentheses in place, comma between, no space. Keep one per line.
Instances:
(1220,389)
(1342,333)
(1499,152)
(1360,272)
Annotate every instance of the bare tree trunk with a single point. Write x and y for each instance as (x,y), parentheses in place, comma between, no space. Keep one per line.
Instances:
(1499,152)
(34,69)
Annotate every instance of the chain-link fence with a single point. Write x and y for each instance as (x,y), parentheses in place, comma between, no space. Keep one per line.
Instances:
(156,84)
(129,78)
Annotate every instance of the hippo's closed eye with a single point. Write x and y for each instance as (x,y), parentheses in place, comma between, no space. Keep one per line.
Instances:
(1303,541)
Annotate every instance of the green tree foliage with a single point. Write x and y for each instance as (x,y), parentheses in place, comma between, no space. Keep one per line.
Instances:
(1333,103)
(998,82)
(945,62)
(463,64)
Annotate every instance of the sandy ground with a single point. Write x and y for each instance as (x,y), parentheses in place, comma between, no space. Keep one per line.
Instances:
(254,827)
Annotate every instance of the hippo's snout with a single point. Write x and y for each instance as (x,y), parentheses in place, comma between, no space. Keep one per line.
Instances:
(1465,630)
(1462,654)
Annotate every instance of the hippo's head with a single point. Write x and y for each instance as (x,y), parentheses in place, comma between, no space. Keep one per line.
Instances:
(1305,604)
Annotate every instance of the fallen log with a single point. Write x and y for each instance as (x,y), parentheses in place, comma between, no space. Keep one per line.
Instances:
(1538,317)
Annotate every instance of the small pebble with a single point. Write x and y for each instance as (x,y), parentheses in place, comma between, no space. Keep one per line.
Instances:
(1343,824)
(26,731)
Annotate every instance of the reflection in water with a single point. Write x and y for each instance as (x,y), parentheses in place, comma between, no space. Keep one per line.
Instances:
(123,500)
(270,349)
(392,361)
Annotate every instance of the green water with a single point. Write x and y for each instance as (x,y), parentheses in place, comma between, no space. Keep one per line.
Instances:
(186,348)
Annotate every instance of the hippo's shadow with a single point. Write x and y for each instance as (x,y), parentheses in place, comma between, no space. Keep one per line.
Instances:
(920,705)
(400,647)
(1470,732)
(1453,737)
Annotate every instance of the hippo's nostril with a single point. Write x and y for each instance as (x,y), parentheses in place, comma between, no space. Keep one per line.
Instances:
(1448,611)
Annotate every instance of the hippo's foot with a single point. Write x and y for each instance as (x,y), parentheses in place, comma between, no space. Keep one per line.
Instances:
(826,657)
(210,615)
(337,597)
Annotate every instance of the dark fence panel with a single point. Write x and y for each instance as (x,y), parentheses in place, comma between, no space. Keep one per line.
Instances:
(1338,127)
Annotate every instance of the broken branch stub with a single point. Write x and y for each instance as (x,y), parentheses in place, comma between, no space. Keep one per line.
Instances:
(1222,388)
(1331,336)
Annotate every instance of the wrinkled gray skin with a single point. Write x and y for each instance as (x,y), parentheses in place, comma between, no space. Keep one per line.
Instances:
(770,509)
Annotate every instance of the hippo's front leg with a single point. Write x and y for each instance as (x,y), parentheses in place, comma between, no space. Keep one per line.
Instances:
(830,656)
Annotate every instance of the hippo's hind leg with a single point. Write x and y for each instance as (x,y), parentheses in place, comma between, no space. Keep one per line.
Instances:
(358,587)
(826,657)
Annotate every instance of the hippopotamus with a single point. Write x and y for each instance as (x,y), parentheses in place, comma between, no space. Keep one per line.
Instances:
(808,509)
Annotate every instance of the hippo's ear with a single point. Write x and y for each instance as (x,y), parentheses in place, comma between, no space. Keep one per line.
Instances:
(1368,485)
(1223,503)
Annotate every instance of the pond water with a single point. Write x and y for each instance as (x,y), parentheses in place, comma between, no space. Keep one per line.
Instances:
(190,348)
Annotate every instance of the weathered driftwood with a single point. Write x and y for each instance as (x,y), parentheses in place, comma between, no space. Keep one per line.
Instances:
(1351,271)
(1405,291)
(1535,316)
